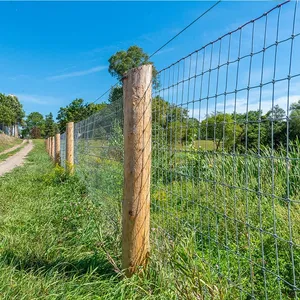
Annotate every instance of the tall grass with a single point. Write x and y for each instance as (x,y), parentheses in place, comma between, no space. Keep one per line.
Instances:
(220,228)
(60,239)
(242,210)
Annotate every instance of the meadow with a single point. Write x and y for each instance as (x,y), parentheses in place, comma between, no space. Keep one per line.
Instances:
(222,227)
(225,225)
(61,240)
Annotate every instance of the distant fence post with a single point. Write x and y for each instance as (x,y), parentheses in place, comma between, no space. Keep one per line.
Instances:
(52,147)
(47,144)
(137,87)
(70,147)
(57,148)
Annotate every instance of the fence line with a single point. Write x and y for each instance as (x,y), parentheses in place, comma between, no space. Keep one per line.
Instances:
(225,162)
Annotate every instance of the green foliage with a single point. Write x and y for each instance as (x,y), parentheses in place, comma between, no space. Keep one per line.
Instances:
(123,61)
(295,120)
(57,175)
(76,111)
(221,128)
(34,125)
(116,95)
(50,126)
(11,110)
(190,198)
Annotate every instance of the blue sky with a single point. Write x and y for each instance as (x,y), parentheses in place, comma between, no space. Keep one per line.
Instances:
(54,52)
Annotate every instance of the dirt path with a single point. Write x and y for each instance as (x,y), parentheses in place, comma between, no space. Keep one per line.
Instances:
(15,160)
(13,148)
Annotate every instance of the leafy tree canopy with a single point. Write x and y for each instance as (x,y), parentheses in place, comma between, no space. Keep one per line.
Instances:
(76,111)
(123,61)
(11,110)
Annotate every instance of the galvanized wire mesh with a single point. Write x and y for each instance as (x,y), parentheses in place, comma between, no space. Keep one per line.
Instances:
(99,143)
(63,150)
(98,157)
(225,162)
(226,157)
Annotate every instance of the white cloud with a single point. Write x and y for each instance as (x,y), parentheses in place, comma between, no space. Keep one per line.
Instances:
(167,50)
(241,106)
(37,99)
(77,73)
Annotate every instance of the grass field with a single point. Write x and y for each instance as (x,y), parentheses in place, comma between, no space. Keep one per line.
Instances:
(60,235)
(224,225)
(56,242)
(7,142)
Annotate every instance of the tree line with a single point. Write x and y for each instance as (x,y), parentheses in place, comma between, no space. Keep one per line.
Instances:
(228,130)
(171,123)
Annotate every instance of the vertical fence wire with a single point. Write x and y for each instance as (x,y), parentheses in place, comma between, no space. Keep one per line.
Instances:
(99,152)
(226,159)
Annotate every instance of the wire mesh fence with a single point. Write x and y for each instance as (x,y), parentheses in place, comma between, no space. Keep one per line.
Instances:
(63,150)
(225,162)
(226,156)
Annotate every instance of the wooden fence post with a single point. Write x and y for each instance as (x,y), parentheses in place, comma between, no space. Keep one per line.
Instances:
(52,147)
(70,147)
(47,144)
(57,148)
(137,89)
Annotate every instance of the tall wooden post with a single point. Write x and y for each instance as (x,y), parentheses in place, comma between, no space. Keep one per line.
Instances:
(137,87)
(52,147)
(46,144)
(57,148)
(70,147)
(49,146)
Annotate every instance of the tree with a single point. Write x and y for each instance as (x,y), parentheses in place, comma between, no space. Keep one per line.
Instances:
(172,119)
(123,61)
(50,126)
(164,112)
(222,129)
(254,129)
(11,109)
(183,131)
(34,125)
(295,120)
(276,126)
(116,95)
(76,111)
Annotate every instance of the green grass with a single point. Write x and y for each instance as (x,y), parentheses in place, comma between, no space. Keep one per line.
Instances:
(221,224)
(11,153)
(8,142)
(205,145)
(59,240)
(212,228)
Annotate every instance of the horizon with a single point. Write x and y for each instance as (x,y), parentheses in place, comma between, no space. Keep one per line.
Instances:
(49,65)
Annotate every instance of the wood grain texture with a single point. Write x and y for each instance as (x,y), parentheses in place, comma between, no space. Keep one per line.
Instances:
(70,147)
(57,148)
(137,90)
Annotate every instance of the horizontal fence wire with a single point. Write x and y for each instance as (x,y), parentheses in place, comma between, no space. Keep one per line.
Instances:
(99,153)
(226,161)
